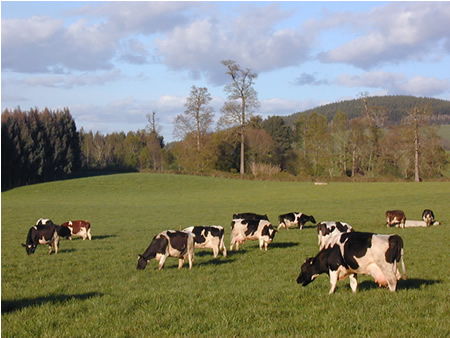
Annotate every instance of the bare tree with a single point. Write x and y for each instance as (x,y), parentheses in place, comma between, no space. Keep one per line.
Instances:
(153,126)
(197,117)
(417,117)
(242,100)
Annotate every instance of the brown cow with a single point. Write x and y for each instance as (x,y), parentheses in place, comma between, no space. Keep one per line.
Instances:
(79,228)
(395,218)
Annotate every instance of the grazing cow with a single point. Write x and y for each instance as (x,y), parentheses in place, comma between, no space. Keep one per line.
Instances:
(210,237)
(171,243)
(428,217)
(46,233)
(78,228)
(250,216)
(348,254)
(294,219)
(326,229)
(243,229)
(395,218)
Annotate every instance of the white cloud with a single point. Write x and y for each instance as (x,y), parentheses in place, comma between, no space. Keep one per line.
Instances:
(396,83)
(250,39)
(392,33)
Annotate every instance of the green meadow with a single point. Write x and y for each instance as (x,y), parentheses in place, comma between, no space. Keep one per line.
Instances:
(92,288)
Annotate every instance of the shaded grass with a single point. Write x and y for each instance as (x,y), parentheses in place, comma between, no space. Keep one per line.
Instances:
(93,288)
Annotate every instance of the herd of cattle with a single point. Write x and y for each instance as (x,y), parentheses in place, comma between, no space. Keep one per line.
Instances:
(46,232)
(343,252)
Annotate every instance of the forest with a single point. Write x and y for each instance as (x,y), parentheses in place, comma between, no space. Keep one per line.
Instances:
(39,146)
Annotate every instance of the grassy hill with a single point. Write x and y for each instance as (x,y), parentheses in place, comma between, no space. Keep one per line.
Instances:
(92,288)
(396,105)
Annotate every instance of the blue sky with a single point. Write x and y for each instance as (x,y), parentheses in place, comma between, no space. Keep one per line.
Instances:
(112,63)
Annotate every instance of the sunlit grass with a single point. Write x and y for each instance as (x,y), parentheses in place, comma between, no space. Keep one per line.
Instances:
(93,288)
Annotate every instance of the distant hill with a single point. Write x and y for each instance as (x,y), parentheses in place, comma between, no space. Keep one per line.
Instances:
(397,106)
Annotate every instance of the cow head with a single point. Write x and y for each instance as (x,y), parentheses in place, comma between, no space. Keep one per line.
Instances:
(30,248)
(309,271)
(270,232)
(142,263)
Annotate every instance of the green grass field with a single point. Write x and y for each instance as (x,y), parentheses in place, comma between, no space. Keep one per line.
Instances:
(92,288)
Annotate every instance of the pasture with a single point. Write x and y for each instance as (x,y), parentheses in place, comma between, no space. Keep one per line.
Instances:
(92,288)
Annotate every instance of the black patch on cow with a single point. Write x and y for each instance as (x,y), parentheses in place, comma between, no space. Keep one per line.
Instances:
(250,216)
(63,231)
(252,226)
(178,240)
(289,216)
(341,227)
(157,246)
(197,231)
(322,227)
(356,246)
(394,252)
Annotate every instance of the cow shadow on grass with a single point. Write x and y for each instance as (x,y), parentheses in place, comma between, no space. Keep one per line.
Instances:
(66,250)
(99,238)
(216,261)
(15,305)
(283,245)
(408,284)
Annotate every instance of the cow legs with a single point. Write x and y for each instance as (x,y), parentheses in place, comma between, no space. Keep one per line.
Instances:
(333,281)
(190,260)
(353,282)
(223,248)
(53,244)
(89,234)
(216,251)
(232,244)
(181,263)
(162,260)
(392,282)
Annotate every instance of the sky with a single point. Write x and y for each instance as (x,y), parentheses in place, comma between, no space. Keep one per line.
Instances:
(112,63)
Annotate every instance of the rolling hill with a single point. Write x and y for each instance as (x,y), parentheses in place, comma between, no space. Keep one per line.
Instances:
(396,106)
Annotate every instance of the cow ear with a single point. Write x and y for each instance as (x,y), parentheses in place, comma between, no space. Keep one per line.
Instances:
(24,245)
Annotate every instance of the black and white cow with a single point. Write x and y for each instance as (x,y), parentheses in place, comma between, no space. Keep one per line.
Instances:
(45,232)
(210,237)
(428,217)
(252,230)
(297,219)
(351,253)
(326,229)
(395,218)
(250,216)
(171,243)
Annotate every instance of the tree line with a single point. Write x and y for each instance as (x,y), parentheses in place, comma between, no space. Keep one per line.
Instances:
(42,146)
(38,146)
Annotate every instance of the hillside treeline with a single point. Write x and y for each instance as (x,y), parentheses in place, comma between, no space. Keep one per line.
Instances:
(396,107)
(38,146)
